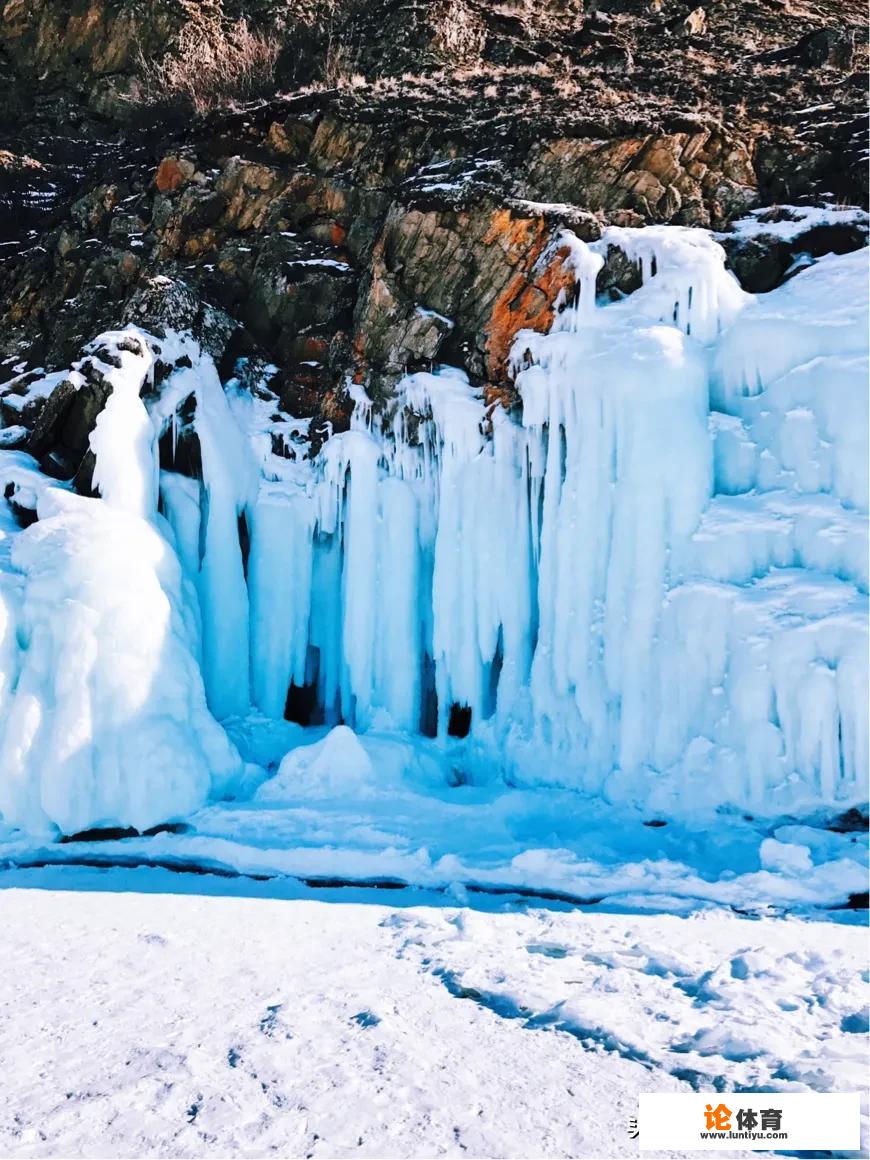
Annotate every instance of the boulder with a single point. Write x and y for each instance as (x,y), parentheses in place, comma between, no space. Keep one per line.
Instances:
(172,173)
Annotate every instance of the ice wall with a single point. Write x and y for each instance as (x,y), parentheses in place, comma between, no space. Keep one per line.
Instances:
(622,587)
(647,580)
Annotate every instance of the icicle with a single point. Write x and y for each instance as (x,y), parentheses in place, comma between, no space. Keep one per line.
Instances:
(685,282)
(567,578)
(586,264)
(279,585)
(229,484)
(123,440)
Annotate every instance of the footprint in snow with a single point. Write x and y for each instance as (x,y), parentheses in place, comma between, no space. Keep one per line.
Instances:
(270,1024)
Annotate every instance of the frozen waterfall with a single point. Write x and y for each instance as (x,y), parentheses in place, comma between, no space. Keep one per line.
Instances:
(647,580)
(103,716)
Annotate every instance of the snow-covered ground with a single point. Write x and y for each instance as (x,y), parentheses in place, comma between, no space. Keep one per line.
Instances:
(364,1023)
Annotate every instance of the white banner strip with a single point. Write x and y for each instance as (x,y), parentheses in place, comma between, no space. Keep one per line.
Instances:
(766,1121)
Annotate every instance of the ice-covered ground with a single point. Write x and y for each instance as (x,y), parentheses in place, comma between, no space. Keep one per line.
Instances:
(381,807)
(152,1022)
(396,825)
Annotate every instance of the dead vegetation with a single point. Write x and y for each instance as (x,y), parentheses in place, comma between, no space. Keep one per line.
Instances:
(213,64)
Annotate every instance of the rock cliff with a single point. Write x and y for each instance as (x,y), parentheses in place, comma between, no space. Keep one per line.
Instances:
(385,186)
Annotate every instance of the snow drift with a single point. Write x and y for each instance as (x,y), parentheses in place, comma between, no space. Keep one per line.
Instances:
(646,581)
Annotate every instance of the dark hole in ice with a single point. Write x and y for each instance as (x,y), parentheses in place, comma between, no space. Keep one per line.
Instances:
(244,541)
(655,823)
(859,901)
(301,704)
(852,821)
(460,720)
(493,677)
(113,833)
(429,699)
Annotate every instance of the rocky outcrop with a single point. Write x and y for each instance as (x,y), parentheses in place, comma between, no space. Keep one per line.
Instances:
(340,254)
(405,208)
(455,285)
(696,173)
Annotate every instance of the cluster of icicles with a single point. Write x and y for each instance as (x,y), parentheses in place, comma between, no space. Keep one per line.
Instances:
(647,581)
(546,581)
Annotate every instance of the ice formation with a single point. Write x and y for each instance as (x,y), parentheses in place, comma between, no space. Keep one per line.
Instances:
(336,766)
(622,590)
(103,717)
(648,581)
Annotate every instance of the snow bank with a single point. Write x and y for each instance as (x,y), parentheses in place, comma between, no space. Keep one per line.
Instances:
(126,469)
(105,721)
(335,766)
(794,220)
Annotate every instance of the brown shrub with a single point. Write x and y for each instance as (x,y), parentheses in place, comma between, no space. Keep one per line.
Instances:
(212,64)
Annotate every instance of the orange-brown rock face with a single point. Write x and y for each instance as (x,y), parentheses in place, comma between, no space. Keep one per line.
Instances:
(172,173)
(530,296)
(457,285)
(698,176)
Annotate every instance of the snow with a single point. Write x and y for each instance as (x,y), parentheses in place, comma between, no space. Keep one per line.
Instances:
(820,314)
(23,483)
(11,435)
(331,768)
(123,439)
(321,263)
(340,1023)
(797,219)
(785,857)
(39,388)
